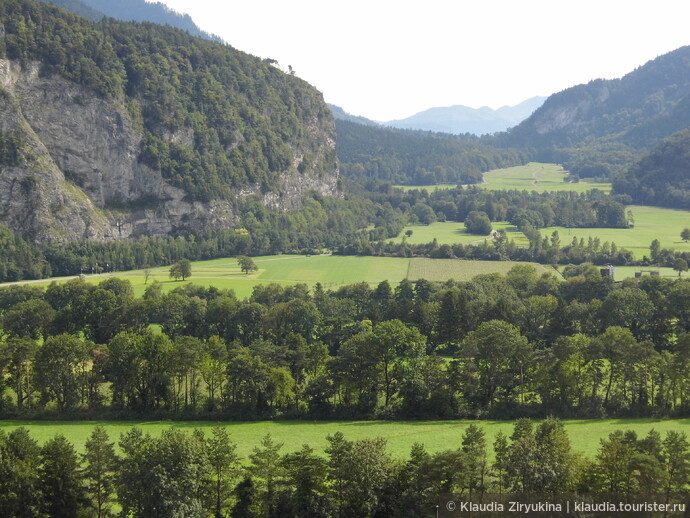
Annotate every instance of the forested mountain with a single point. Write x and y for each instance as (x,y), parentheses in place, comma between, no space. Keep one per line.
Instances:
(662,177)
(116,129)
(133,11)
(459,120)
(604,126)
(416,157)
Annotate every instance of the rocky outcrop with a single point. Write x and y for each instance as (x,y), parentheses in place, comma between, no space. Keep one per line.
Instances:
(79,175)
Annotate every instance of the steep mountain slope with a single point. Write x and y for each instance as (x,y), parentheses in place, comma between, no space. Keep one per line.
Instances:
(635,111)
(459,120)
(117,129)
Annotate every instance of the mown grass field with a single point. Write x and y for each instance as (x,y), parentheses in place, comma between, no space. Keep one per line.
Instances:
(534,176)
(331,271)
(401,435)
(650,223)
(451,232)
(538,177)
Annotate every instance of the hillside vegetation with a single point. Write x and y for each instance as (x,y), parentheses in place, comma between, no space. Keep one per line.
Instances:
(662,177)
(603,126)
(213,119)
(416,157)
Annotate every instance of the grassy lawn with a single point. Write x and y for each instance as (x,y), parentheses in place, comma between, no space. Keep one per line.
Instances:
(401,435)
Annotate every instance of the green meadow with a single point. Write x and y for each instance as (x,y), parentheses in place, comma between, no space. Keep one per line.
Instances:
(451,232)
(538,177)
(534,176)
(650,223)
(331,271)
(401,435)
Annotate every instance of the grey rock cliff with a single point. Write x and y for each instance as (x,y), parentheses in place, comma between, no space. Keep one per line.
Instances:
(79,175)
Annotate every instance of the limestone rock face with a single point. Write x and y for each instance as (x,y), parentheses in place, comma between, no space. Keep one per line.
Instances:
(78,175)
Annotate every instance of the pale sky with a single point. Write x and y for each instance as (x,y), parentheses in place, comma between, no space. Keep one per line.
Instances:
(387,60)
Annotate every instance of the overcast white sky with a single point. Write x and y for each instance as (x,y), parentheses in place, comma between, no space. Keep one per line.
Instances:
(387,59)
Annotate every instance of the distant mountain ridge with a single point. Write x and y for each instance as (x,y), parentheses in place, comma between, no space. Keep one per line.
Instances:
(458,120)
(342,115)
(642,107)
(133,11)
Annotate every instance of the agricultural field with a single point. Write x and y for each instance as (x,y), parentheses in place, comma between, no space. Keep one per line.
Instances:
(535,176)
(331,271)
(538,177)
(650,223)
(451,232)
(401,435)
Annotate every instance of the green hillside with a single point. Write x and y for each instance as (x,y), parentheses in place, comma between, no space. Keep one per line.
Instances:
(662,177)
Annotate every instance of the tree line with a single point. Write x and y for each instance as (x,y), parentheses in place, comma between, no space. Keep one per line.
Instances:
(201,475)
(592,209)
(519,344)
(360,224)
(321,222)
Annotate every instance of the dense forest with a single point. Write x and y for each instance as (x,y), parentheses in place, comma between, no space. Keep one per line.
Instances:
(198,475)
(662,177)
(416,157)
(499,346)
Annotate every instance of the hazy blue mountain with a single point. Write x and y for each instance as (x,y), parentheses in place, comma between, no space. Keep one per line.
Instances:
(77,7)
(342,115)
(133,11)
(459,119)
